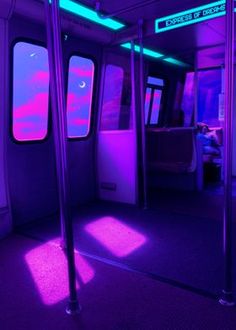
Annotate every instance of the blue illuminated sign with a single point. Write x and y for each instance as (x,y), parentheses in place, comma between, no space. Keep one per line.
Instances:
(191,16)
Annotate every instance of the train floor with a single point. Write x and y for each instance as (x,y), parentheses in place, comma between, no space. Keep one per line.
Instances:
(33,294)
(177,239)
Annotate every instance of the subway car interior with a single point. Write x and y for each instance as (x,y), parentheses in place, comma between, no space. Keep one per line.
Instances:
(117,164)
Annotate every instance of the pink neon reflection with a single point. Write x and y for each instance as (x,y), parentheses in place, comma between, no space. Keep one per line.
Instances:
(30,119)
(40,78)
(48,266)
(116,236)
(75,102)
(81,72)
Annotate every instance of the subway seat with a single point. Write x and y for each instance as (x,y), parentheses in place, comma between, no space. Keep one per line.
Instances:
(174,158)
(5,221)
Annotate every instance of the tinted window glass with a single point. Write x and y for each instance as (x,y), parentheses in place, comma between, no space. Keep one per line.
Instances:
(147,103)
(79,96)
(156,106)
(116,110)
(153,100)
(30,92)
(209,93)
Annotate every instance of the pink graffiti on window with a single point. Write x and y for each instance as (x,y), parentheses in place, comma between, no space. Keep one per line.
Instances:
(30,92)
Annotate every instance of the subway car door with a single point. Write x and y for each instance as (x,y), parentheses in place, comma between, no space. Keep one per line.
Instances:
(116,139)
(30,147)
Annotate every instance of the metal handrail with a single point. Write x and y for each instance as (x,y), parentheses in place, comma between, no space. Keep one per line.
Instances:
(227,292)
(60,140)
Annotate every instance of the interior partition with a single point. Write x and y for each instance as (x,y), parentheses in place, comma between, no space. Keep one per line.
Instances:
(116,145)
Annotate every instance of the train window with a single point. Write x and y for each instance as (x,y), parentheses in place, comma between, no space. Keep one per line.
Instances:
(155,81)
(147,103)
(79,96)
(209,82)
(153,100)
(155,106)
(209,90)
(30,92)
(188,99)
(116,110)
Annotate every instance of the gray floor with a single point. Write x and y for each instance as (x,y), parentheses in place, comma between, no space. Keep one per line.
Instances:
(181,248)
(111,299)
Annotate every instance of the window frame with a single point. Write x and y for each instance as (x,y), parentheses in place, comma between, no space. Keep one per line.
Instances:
(153,88)
(34,42)
(93,98)
(120,66)
(217,67)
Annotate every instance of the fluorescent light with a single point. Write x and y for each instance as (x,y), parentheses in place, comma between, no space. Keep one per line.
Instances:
(146,51)
(154,54)
(191,16)
(174,61)
(90,14)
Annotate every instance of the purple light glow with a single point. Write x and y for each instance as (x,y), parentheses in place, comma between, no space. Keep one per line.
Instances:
(30,92)
(30,119)
(41,78)
(48,266)
(116,236)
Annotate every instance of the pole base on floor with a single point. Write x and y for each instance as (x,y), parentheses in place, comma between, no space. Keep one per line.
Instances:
(73,308)
(227,299)
(62,245)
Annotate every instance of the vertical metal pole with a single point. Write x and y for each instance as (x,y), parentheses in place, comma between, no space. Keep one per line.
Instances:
(4,91)
(195,114)
(227,292)
(133,107)
(222,79)
(58,102)
(133,85)
(60,140)
(142,117)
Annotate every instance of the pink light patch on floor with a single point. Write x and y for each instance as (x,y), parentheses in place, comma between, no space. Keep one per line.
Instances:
(48,266)
(84,270)
(116,236)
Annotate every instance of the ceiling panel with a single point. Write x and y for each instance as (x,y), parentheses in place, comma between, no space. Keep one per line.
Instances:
(183,42)
(148,11)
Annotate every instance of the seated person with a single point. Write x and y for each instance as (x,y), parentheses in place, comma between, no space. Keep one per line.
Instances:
(208,139)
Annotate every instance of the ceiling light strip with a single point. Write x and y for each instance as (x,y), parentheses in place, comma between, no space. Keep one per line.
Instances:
(155,54)
(90,14)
